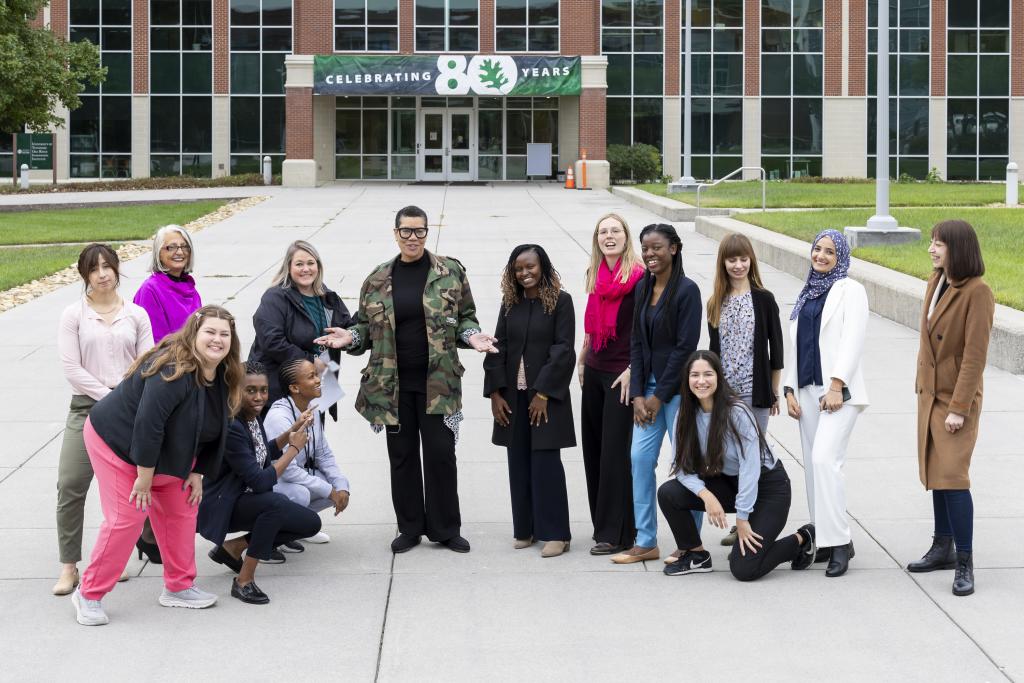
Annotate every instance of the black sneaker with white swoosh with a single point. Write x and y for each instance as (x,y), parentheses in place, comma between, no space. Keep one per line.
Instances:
(690,562)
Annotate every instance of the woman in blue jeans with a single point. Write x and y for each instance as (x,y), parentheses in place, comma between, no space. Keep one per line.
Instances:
(666,329)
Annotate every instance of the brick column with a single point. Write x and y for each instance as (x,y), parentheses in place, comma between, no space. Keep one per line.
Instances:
(314,27)
(583,35)
(673,45)
(752,48)
(833,48)
(140,47)
(939,48)
(1017,54)
(299,116)
(221,47)
(593,114)
(406,26)
(487,27)
(59,18)
(857,57)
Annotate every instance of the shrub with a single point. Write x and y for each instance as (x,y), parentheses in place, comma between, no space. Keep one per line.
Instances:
(640,163)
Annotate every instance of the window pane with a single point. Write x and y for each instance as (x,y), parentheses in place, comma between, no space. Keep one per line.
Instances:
(382,39)
(273,74)
(963,13)
(994,116)
(961,169)
(245,164)
(245,73)
(277,12)
(775,126)
(543,40)
(117,124)
(807,78)
(807,40)
(350,38)
(995,13)
(647,12)
(117,12)
(245,124)
(648,40)
(430,12)
(245,12)
(119,72)
(616,13)
(347,131)
(963,41)
(164,73)
(995,75)
(648,78)
(165,124)
(913,126)
(511,39)
(196,13)
(776,40)
(273,125)
(245,39)
(197,128)
(462,12)
(913,74)
(117,39)
(164,13)
(701,75)
(544,12)
(962,126)
(197,38)
(619,74)
(963,74)
(462,39)
(382,12)
(615,41)
(430,40)
(728,130)
(728,74)
(700,126)
(775,74)
(617,116)
(85,11)
(164,166)
(700,13)
(403,131)
(728,41)
(375,131)
(807,126)
(723,166)
(488,132)
(277,39)
(350,12)
(519,131)
(807,13)
(728,13)
(992,169)
(347,167)
(197,165)
(488,168)
(85,126)
(164,39)
(913,41)
(775,13)
(510,12)
(78,34)
(196,73)
(647,121)
(404,168)
(914,13)
(991,41)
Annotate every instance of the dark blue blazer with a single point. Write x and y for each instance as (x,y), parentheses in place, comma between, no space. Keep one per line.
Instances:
(238,471)
(664,353)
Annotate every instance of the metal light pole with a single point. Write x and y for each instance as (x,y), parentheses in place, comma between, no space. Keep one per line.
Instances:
(687,180)
(882,220)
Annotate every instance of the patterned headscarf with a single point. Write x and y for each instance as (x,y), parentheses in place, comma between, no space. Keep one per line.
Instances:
(819,283)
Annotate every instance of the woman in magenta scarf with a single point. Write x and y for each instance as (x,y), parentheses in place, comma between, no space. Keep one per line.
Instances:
(169,295)
(603,368)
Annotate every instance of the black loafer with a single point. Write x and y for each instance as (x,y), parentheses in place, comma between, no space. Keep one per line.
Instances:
(404,543)
(607,549)
(221,556)
(249,593)
(457,543)
(840,562)
(276,557)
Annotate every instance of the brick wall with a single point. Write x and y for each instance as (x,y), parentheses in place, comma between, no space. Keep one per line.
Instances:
(673,45)
(592,123)
(59,18)
(221,47)
(752,48)
(857,85)
(314,28)
(299,115)
(939,47)
(580,31)
(833,48)
(140,47)
(487,27)
(1017,49)
(38,20)
(406,26)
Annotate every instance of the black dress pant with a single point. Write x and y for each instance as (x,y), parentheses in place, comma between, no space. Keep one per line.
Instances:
(271,520)
(426,499)
(771,509)
(606,426)
(536,478)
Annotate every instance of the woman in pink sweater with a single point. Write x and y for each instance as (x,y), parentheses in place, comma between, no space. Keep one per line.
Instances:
(169,295)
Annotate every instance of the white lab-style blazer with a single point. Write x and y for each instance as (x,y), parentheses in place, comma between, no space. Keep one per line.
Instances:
(844,324)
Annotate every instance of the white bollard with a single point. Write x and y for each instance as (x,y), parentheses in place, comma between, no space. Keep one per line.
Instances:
(267,178)
(24,176)
(1011,184)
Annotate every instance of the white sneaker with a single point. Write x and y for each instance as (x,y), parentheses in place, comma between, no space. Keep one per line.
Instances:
(318,537)
(88,612)
(193,598)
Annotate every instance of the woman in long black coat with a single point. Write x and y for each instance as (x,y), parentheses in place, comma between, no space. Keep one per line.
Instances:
(528,384)
(296,309)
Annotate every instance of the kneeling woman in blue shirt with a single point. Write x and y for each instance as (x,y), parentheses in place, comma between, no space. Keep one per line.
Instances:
(242,497)
(723,464)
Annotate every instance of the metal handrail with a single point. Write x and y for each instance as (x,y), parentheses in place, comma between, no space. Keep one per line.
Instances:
(764,177)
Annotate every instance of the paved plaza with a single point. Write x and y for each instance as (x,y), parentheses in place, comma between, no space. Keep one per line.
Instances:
(351,611)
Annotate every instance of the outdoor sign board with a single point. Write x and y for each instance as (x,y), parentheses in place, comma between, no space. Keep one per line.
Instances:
(483,75)
(36,150)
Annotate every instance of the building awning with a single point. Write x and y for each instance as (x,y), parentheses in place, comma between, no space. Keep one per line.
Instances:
(482,75)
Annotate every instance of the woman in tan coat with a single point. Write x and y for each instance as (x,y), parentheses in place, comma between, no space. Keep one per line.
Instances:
(955,328)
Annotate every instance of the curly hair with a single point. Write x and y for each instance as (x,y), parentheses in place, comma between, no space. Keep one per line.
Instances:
(254,367)
(550,281)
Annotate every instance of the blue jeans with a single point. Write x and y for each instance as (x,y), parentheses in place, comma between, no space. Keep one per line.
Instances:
(646,446)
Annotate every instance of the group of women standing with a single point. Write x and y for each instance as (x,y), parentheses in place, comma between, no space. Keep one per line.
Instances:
(162,402)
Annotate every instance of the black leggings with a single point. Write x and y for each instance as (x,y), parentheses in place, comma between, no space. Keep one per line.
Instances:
(271,520)
(768,518)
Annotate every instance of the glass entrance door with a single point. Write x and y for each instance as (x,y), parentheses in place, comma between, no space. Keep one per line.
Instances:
(446,146)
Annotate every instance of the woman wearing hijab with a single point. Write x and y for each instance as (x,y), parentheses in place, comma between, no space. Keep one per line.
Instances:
(824,387)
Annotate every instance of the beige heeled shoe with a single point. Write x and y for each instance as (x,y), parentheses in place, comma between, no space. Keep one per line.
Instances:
(554,548)
(124,576)
(523,543)
(66,583)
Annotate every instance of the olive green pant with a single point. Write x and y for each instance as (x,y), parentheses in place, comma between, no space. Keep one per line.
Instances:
(74,475)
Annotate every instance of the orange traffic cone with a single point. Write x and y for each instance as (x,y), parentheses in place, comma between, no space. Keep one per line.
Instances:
(570,180)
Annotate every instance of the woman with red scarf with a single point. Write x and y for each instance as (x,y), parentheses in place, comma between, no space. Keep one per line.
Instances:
(603,368)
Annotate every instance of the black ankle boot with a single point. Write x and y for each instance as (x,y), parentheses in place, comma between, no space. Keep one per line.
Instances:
(942,555)
(963,581)
(840,561)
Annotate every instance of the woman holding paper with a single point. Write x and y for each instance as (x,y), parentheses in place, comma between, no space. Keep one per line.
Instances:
(312,479)
(294,311)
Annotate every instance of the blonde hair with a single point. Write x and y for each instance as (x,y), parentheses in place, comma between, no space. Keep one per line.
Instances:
(732,246)
(627,262)
(179,350)
(283,277)
(158,244)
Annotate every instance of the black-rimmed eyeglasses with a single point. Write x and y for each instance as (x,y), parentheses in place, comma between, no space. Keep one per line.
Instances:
(407,233)
(171,248)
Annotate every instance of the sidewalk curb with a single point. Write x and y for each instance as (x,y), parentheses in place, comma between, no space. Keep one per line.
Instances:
(892,295)
(670,209)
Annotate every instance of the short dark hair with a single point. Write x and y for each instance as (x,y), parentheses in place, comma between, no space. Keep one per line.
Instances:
(963,252)
(254,367)
(89,260)
(410,212)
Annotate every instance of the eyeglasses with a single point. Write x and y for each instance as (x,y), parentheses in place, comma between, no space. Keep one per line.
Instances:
(407,233)
(171,248)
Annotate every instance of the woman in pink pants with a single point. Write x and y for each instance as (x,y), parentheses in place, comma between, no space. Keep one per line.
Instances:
(150,441)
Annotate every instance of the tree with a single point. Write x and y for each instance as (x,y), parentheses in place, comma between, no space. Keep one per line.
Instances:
(38,70)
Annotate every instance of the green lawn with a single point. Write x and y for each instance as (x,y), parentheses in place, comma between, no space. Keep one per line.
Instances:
(21,265)
(1001,232)
(99,224)
(788,195)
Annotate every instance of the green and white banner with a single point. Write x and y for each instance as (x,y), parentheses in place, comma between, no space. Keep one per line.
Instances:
(485,75)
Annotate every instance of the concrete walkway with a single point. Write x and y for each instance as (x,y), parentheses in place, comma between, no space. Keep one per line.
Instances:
(351,611)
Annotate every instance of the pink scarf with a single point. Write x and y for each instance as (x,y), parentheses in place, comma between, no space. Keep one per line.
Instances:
(603,304)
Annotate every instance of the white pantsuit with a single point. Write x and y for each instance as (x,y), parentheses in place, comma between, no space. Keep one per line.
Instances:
(824,436)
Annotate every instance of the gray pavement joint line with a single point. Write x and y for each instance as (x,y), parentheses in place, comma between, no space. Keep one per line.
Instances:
(586,249)
(440,221)
(384,619)
(34,454)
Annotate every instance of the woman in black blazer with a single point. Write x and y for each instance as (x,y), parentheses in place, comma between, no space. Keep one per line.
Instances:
(296,309)
(743,323)
(242,497)
(666,330)
(528,384)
